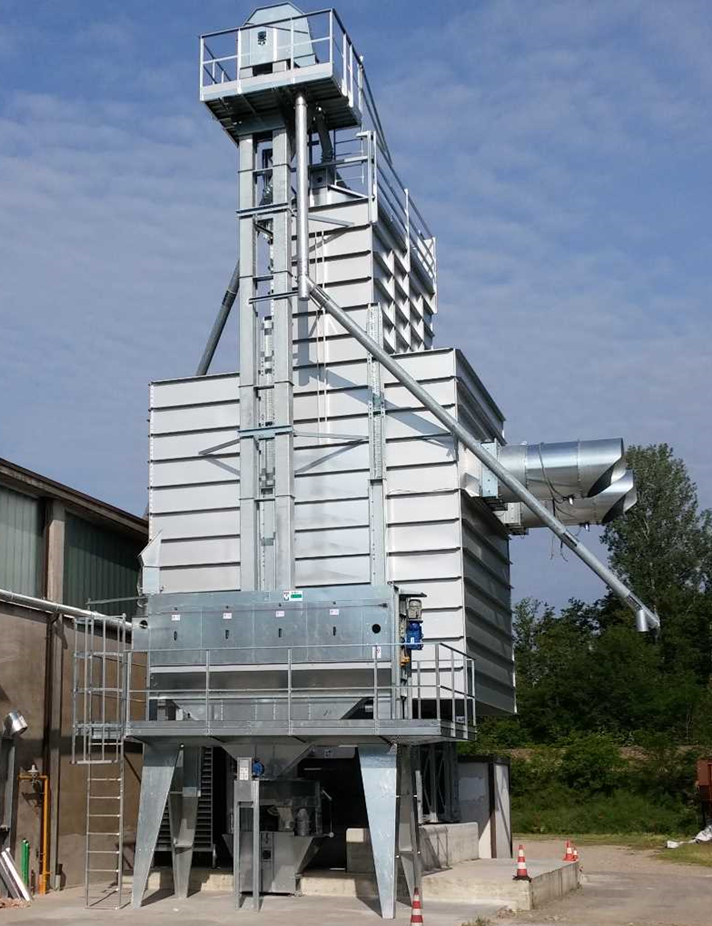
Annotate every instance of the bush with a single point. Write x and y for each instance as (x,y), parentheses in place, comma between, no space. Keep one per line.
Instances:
(591,763)
(561,810)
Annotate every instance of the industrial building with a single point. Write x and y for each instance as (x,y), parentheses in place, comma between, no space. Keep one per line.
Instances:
(56,545)
(324,599)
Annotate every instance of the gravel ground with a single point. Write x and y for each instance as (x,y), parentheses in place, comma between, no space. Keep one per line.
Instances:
(626,887)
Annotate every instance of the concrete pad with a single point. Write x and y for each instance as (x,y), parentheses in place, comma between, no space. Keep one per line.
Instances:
(483,881)
(491,881)
(487,881)
(442,845)
(216,909)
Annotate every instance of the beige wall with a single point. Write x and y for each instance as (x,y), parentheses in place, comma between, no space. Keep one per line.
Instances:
(23,641)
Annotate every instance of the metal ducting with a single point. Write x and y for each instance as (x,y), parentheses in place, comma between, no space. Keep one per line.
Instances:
(572,469)
(613,501)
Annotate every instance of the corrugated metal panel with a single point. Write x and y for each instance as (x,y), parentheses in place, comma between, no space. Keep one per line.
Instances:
(439,541)
(21,542)
(98,564)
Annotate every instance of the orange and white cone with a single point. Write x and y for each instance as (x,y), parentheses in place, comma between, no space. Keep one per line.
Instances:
(569,854)
(416,911)
(576,855)
(521,873)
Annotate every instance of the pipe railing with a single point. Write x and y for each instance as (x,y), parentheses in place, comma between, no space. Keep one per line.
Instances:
(451,683)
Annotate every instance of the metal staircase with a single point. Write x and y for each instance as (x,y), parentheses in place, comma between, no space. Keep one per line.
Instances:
(99,710)
(204,840)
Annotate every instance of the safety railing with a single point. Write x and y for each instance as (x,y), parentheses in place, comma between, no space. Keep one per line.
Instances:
(439,685)
(236,56)
(361,164)
(396,202)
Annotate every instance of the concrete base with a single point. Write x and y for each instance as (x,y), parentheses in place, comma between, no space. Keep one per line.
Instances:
(442,846)
(484,881)
(490,881)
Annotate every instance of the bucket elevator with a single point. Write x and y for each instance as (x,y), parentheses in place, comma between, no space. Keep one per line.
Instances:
(328,568)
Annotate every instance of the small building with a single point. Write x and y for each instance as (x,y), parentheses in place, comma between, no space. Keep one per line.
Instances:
(58,545)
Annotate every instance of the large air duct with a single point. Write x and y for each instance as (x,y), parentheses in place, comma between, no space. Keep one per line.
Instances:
(615,500)
(561,471)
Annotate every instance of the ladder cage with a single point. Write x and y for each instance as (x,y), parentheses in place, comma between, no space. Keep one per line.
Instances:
(99,712)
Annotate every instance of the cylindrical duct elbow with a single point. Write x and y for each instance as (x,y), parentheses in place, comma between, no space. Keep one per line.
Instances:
(572,469)
(613,501)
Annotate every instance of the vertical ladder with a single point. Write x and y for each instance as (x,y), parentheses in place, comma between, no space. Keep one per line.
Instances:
(99,711)
(104,857)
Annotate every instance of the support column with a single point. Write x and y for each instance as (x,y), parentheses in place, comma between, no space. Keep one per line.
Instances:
(408,824)
(159,762)
(54,589)
(379,773)
(249,418)
(183,815)
(283,376)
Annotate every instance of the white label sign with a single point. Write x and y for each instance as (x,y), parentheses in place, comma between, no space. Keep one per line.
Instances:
(279,613)
(293,594)
(175,617)
(333,612)
(227,615)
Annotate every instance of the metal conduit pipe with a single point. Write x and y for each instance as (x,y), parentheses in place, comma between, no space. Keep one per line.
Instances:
(645,618)
(219,323)
(56,607)
(300,107)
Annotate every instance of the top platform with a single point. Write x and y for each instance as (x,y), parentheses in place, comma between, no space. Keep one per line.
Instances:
(253,70)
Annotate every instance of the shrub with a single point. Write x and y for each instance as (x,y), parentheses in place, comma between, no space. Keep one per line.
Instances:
(591,763)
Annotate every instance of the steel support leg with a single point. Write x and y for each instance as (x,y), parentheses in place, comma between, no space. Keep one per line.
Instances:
(159,761)
(183,814)
(408,828)
(379,773)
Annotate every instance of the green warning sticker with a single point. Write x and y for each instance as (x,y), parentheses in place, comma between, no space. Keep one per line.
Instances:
(293,594)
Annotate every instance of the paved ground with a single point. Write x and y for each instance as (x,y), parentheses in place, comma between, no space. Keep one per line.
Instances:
(622,887)
(208,908)
(626,887)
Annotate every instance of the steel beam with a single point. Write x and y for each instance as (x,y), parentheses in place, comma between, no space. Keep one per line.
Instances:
(220,322)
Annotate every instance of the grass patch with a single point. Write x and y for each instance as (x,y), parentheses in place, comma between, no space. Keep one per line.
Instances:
(629,840)
(695,854)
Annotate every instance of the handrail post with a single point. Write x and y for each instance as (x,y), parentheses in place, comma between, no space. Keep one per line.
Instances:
(201,58)
(289,689)
(207,689)
(375,685)
(437,681)
(238,63)
(331,39)
(420,708)
(344,67)
(452,683)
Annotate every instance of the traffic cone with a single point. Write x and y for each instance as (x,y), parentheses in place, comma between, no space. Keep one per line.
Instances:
(416,911)
(576,855)
(569,854)
(521,873)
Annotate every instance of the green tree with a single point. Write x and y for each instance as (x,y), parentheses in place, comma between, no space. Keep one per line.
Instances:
(663,549)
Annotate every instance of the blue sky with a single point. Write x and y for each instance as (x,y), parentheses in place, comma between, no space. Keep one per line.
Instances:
(559,150)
